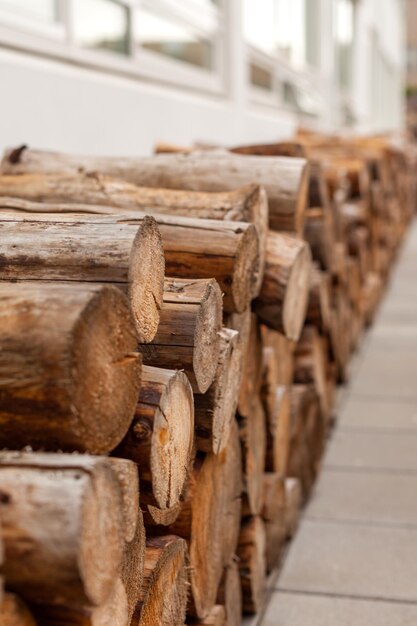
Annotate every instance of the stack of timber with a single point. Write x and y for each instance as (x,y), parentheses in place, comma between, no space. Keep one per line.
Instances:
(173,331)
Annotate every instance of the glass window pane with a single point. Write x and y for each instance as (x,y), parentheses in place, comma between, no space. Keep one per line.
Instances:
(260,77)
(43,11)
(101,25)
(344,27)
(259,24)
(291,29)
(170,38)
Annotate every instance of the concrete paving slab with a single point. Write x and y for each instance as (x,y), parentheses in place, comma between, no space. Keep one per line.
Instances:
(367,413)
(401,337)
(303,610)
(368,450)
(365,498)
(352,560)
(387,373)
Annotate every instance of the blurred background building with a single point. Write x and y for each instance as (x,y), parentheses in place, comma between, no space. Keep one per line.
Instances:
(115,76)
(411,84)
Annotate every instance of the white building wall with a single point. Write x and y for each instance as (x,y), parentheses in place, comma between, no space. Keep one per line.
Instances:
(59,105)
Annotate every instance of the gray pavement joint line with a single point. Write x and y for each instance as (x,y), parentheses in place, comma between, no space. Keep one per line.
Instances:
(369,470)
(377,430)
(407,399)
(359,522)
(345,596)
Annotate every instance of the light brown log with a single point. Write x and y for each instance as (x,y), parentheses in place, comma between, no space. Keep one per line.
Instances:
(230,594)
(252,364)
(68,509)
(278,433)
(246,204)
(215,410)
(162,600)
(188,332)
(274,516)
(253,439)
(160,437)
(232,487)
(285,179)
(201,523)
(284,354)
(113,612)
(319,231)
(293,500)
(224,250)
(252,563)
(154,516)
(269,384)
(318,308)
(282,303)
(61,247)
(132,567)
(69,370)
(14,612)
(127,475)
(311,365)
(216,617)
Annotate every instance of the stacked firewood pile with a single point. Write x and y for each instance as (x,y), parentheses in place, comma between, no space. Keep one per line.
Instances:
(172,332)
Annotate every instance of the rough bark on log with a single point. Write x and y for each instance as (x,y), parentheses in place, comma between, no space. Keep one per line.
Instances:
(13,612)
(232,487)
(188,333)
(252,563)
(247,204)
(76,248)
(278,433)
(69,370)
(285,179)
(68,508)
(154,516)
(194,248)
(215,410)
(162,599)
(161,435)
(282,303)
(132,567)
(253,439)
(112,612)
(252,364)
(230,594)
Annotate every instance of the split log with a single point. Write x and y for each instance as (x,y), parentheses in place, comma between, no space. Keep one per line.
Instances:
(282,303)
(132,567)
(253,439)
(232,487)
(68,508)
(163,596)
(154,516)
(252,364)
(252,563)
(13,612)
(319,231)
(318,309)
(215,410)
(247,204)
(188,333)
(274,516)
(311,365)
(160,437)
(194,248)
(293,501)
(60,247)
(230,594)
(112,612)
(127,475)
(216,617)
(285,179)
(69,370)
(278,433)
(284,354)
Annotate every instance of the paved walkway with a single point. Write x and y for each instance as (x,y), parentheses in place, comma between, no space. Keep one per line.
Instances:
(354,559)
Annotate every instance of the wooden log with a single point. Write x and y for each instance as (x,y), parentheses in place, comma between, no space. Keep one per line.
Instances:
(285,179)
(253,440)
(318,308)
(69,370)
(293,501)
(246,204)
(132,567)
(14,612)
(161,435)
(274,516)
(230,594)
(216,617)
(194,248)
(215,410)
(188,333)
(163,597)
(284,354)
(311,365)
(232,488)
(59,247)
(112,612)
(127,475)
(319,231)
(278,433)
(68,508)
(252,364)
(252,563)
(282,303)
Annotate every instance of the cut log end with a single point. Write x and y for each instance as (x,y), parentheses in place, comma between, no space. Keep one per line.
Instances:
(146,278)
(244,277)
(105,370)
(252,563)
(296,297)
(230,595)
(206,340)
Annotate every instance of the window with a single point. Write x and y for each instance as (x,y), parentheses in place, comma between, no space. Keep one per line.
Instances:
(41,11)
(344,33)
(110,32)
